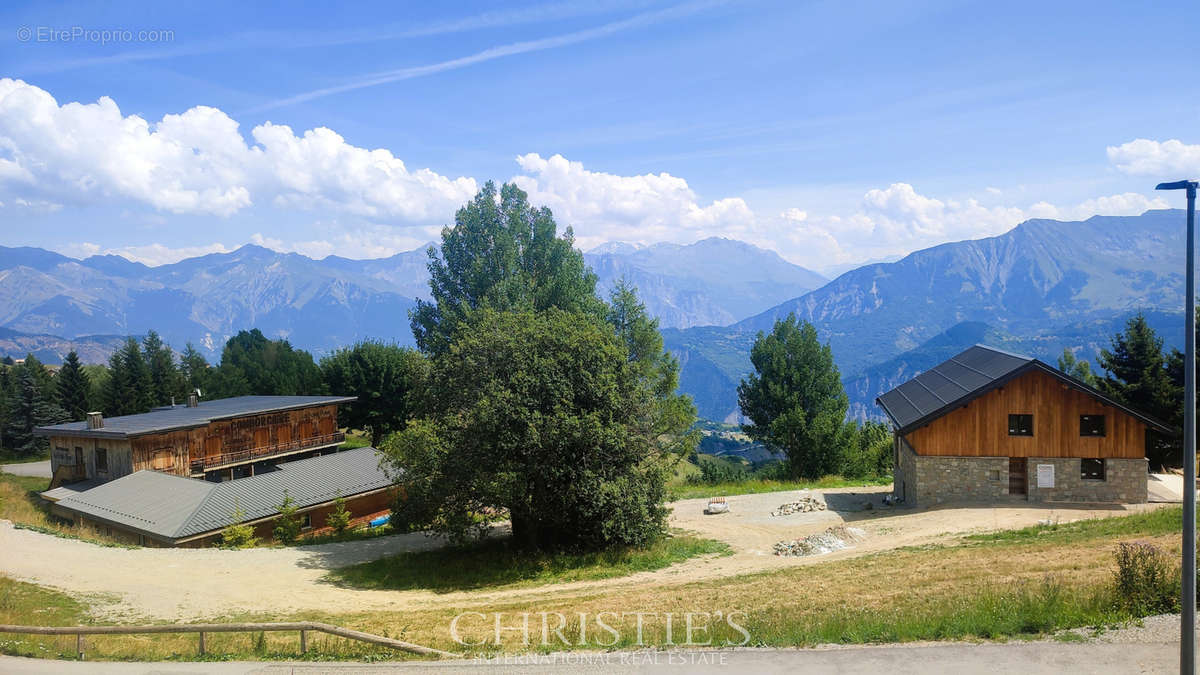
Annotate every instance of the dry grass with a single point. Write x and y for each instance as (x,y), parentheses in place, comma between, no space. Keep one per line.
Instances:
(991,588)
(20,503)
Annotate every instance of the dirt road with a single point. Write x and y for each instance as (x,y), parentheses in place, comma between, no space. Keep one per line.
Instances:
(199,583)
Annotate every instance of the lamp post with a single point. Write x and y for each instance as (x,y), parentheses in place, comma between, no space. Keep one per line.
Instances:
(1187,630)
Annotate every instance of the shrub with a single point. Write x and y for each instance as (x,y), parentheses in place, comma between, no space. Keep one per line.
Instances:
(287,525)
(716,471)
(238,534)
(339,517)
(1146,582)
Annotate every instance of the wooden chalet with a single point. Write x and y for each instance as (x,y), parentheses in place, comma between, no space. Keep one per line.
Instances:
(221,439)
(990,425)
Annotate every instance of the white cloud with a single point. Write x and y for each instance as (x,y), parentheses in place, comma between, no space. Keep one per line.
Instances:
(646,208)
(795,215)
(197,162)
(897,220)
(358,244)
(1143,157)
(150,254)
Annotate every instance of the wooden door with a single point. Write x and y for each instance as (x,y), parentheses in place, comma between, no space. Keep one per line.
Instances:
(1016,475)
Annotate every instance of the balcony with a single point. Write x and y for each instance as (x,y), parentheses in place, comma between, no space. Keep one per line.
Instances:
(227,459)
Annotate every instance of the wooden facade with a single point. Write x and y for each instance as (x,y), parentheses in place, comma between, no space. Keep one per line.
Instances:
(219,444)
(981,427)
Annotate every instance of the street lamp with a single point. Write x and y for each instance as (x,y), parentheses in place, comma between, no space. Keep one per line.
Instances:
(1187,629)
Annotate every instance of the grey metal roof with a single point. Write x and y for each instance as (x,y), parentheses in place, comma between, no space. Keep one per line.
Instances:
(968,375)
(173,507)
(183,417)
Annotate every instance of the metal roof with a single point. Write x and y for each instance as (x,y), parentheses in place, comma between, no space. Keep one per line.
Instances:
(173,507)
(183,417)
(968,375)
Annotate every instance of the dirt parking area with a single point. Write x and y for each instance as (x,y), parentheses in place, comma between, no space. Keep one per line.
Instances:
(198,583)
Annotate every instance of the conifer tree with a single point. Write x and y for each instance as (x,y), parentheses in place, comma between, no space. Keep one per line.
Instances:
(34,405)
(73,387)
(128,388)
(166,382)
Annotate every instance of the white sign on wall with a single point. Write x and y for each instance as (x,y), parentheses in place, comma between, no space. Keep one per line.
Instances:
(1045,475)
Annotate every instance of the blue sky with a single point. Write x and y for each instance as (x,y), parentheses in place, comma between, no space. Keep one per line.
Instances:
(833,132)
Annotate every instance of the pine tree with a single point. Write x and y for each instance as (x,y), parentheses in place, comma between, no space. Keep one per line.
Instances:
(128,389)
(194,369)
(34,406)
(166,382)
(1136,371)
(73,387)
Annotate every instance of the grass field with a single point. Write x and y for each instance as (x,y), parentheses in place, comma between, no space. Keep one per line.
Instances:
(757,485)
(493,564)
(997,586)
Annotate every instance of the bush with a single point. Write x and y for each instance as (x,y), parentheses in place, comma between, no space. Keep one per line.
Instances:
(715,471)
(238,534)
(339,517)
(287,525)
(869,452)
(1146,582)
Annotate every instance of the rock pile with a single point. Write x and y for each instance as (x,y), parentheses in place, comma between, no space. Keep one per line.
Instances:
(802,505)
(833,539)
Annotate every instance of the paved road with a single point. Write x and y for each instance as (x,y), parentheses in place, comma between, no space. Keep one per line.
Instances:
(36,469)
(1037,658)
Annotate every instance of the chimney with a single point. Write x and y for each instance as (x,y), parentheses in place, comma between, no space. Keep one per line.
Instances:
(95,420)
(194,399)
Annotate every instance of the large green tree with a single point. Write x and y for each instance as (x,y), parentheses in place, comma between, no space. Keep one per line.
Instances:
(194,369)
(501,254)
(128,389)
(1136,371)
(1138,374)
(387,380)
(33,403)
(669,416)
(541,414)
(166,381)
(74,387)
(253,364)
(794,399)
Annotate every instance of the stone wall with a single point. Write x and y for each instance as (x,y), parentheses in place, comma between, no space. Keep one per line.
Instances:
(924,480)
(1125,481)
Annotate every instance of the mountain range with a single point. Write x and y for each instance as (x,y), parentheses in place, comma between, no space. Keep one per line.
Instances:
(323,304)
(1042,287)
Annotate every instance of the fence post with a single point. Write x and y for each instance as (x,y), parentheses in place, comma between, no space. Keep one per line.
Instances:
(79,645)
(303,641)
(201,643)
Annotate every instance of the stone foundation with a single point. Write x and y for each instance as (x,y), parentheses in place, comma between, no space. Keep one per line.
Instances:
(922,480)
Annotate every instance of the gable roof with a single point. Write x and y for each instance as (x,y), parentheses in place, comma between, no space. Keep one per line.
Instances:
(182,417)
(172,507)
(969,375)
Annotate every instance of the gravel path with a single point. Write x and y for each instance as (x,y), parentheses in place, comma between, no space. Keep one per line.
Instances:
(177,584)
(35,469)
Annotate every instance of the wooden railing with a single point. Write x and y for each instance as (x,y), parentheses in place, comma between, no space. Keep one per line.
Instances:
(225,459)
(302,626)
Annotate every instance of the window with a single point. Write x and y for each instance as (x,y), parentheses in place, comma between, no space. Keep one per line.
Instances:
(1091,425)
(1091,469)
(101,460)
(306,521)
(1020,425)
